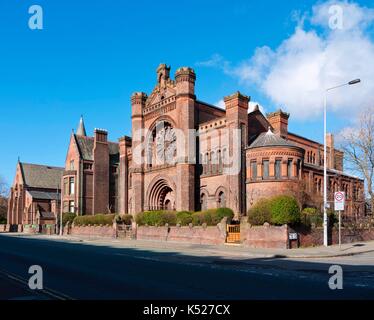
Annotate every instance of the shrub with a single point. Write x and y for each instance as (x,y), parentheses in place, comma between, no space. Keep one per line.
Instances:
(284,210)
(224,212)
(311,216)
(260,213)
(3,220)
(200,217)
(156,218)
(184,218)
(104,219)
(67,217)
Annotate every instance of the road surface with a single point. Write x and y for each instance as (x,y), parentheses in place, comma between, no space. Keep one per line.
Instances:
(73,270)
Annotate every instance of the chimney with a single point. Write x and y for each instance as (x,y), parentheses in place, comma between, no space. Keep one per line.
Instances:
(279,122)
(101,169)
(101,135)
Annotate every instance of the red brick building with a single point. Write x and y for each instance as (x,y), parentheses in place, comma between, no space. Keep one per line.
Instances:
(230,157)
(185,154)
(90,178)
(35,194)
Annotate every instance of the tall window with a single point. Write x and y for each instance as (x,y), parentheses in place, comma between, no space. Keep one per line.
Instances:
(289,168)
(72,165)
(203,202)
(221,200)
(71,186)
(277,169)
(71,206)
(265,166)
(66,186)
(254,170)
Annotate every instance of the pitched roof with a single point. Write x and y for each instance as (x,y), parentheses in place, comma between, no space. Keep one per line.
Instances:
(269,139)
(86,146)
(43,195)
(41,176)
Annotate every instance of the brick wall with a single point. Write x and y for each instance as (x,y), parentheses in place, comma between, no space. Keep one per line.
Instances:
(264,236)
(197,235)
(92,231)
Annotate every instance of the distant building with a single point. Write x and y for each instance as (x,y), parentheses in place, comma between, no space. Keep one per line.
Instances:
(35,194)
(90,178)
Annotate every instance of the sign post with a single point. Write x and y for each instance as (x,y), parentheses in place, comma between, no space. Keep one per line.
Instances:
(339,202)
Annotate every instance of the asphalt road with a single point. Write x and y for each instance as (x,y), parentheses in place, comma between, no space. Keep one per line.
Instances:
(73,270)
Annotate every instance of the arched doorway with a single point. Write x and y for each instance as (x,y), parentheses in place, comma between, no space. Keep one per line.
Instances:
(161,196)
(221,200)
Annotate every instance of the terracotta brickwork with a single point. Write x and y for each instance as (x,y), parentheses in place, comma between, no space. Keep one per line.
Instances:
(240,157)
(185,154)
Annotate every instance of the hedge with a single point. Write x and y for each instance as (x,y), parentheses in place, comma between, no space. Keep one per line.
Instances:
(159,218)
(156,218)
(98,219)
(284,210)
(278,210)
(260,213)
(67,217)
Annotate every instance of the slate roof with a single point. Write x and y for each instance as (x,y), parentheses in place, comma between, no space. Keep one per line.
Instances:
(44,195)
(86,146)
(41,176)
(269,139)
(47,215)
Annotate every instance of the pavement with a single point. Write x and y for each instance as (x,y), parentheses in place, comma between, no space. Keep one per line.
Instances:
(228,250)
(97,268)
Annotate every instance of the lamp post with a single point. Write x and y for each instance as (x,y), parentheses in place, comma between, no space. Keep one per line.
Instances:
(325,221)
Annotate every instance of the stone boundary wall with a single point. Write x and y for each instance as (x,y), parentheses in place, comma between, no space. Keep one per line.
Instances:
(91,231)
(265,236)
(314,236)
(3,228)
(187,234)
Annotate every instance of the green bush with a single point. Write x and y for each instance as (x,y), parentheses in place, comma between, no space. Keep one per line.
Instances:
(311,216)
(98,219)
(260,213)
(67,217)
(3,220)
(201,217)
(222,213)
(156,218)
(284,210)
(184,218)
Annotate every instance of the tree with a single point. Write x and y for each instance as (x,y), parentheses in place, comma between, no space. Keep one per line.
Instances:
(358,146)
(4,192)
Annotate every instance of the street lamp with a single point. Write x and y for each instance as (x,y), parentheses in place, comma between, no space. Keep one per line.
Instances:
(325,222)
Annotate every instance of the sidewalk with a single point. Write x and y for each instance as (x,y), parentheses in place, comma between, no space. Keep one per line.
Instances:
(229,251)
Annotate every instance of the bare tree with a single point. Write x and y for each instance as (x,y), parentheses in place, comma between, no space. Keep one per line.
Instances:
(358,146)
(4,192)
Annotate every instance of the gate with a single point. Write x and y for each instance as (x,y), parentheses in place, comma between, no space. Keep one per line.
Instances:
(233,233)
(125,231)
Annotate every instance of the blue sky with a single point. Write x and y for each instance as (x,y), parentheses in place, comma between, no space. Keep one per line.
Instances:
(91,55)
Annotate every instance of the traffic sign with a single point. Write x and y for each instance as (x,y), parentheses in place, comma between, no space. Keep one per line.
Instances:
(339,201)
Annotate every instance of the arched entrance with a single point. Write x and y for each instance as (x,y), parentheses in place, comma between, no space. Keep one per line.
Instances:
(161,196)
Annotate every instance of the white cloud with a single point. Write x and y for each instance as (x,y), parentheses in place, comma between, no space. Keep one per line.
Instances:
(295,74)
(251,106)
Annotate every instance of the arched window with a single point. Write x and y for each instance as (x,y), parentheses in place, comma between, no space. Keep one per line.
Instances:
(203,201)
(213,162)
(221,200)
